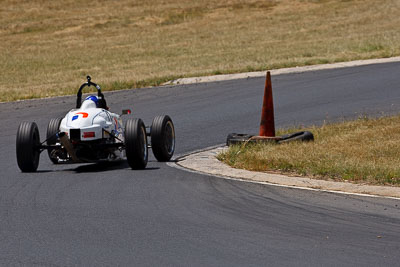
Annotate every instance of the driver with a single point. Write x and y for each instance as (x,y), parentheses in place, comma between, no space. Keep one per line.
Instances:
(90,102)
(94,99)
(94,102)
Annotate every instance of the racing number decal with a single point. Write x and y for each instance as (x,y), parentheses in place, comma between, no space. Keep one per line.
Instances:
(84,115)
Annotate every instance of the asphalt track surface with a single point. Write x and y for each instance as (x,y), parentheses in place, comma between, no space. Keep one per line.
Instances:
(95,215)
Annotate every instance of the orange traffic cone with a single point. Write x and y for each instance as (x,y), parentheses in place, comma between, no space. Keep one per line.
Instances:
(267,124)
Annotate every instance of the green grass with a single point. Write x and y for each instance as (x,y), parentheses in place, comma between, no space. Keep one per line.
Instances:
(48,47)
(362,151)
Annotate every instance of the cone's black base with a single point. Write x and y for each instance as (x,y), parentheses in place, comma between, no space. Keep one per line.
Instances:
(235,138)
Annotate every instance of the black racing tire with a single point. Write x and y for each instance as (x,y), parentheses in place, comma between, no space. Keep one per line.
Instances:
(28,153)
(136,144)
(162,134)
(52,129)
(235,139)
(299,136)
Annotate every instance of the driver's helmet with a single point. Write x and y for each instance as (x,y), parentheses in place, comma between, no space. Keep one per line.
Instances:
(90,102)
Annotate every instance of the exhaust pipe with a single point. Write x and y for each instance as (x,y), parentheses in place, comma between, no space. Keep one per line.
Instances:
(68,146)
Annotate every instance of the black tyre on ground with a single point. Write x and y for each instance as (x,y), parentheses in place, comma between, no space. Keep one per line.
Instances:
(162,138)
(28,153)
(234,138)
(299,136)
(52,129)
(136,144)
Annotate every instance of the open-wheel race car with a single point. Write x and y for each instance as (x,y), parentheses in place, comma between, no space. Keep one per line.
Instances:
(90,133)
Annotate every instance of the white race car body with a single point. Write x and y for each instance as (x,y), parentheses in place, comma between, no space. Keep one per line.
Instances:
(91,134)
(88,127)
(93,123)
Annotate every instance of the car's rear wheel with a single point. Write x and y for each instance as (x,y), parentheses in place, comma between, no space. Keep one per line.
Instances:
(163,138)
(136,144)
(28,141)
(52,129)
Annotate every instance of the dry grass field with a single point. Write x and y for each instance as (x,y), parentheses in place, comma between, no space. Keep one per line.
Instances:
(48,47)
(362,151)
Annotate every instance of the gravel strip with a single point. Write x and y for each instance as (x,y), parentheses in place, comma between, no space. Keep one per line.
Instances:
(207,163)
(226,77)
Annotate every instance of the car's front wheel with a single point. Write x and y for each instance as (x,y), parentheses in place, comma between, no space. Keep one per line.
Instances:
(136,144)
(28,141)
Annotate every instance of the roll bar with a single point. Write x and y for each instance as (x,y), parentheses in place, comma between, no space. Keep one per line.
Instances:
(100,95)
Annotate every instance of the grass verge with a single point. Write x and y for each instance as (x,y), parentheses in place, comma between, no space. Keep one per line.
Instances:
(361,151)
(48,47)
